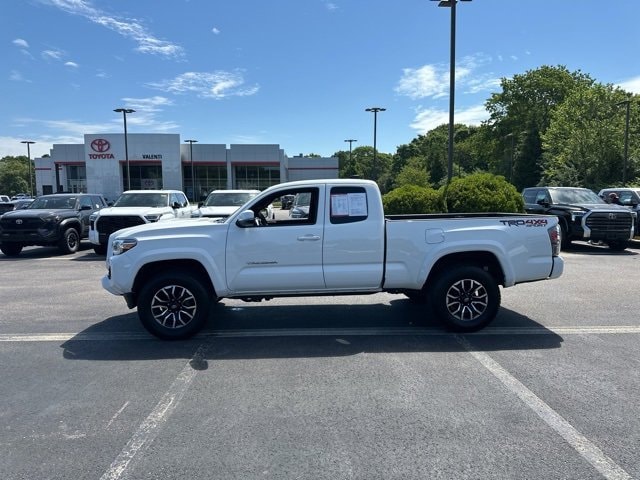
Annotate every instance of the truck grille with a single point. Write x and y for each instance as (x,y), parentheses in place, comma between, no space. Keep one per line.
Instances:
(609,222)
(21,224)
(107,225)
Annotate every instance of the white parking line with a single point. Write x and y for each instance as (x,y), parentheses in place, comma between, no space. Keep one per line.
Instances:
(324,332)
(149,428)
(601,462)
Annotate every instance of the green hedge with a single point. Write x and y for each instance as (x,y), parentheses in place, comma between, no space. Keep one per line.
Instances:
(412,199)
(480,192)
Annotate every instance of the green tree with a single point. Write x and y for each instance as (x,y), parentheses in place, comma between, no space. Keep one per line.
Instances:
(584,142)
(361,165)
(526,104)
(413,173)
(14,175)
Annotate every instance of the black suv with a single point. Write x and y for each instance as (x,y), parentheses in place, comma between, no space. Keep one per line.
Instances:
(61,219)
(583,215)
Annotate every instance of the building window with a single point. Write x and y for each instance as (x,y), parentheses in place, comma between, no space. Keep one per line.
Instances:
(207,177)
(76,179)
(256,177)
(143,177)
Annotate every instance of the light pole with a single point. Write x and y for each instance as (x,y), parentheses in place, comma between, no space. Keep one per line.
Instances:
(29,142)
(350,140)
(626,141)
(375,111)
(126,148)
(193,177)
(452,78)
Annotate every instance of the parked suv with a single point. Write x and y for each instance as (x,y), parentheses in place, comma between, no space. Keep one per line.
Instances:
(136,207)
(628,197)
(583,215)
(60,219)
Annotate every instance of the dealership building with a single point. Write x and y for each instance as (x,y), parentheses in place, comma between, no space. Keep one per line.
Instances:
(110,164)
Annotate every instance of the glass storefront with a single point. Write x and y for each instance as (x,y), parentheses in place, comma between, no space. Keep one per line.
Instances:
(76,179)
(207,178)
(143,177)
(256,177)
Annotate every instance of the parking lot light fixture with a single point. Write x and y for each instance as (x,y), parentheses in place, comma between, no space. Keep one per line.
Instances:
(452,79)
(193,177)
(375,111)
(627,103)
(350,140)
(124,112)
(29,143)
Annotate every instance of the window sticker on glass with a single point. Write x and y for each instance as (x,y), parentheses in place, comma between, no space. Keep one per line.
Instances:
(350,204)
(357,204)
(339,206)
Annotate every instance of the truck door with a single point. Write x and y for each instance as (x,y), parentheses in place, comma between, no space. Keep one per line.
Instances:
(353,248)
(280,255)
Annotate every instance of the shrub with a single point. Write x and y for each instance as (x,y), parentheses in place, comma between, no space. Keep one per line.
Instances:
(482,192)
(412,199)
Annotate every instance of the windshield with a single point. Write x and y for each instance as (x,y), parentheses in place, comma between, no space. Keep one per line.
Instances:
(53,203)
(142,200)
(228,199)
(574,196)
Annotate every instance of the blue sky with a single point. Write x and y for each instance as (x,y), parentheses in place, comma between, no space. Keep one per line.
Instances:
(298,73)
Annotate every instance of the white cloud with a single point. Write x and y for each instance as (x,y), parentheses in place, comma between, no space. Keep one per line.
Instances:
(71,64)
(428,119)
(433,80)
(16,76)
(11,146)
(219,84)
(21,43)
(632,85)
(215,30)
(145,115)
(52,54)
(330,6)
(132,29)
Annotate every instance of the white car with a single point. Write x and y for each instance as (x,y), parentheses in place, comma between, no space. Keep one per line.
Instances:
(136,207)
(222,203)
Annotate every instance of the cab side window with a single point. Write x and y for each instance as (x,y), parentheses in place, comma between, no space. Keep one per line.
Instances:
(348,205)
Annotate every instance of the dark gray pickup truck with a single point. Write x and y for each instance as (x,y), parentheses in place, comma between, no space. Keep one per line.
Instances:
(583,215)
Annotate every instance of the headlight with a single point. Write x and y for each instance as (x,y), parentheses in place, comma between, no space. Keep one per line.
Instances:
(577,216)
(153,218)
(51,219)
(122,245)
(92,217)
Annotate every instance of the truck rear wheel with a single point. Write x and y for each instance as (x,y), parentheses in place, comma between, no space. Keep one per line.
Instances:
(173,306)
(100,249)
(466,299)
(70,241)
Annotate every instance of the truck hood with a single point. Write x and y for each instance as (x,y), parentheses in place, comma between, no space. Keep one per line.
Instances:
(607,207)
(40,213)
(177,227)
(120,211)
(216,211)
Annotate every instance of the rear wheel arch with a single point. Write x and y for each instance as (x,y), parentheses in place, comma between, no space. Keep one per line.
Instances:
(481,259)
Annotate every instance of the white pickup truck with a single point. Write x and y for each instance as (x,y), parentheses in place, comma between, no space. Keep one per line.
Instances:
(136,207)
(174,272)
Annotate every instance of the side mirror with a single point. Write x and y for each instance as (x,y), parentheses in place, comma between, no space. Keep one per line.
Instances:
(246,219)
(176,205)
(200,204)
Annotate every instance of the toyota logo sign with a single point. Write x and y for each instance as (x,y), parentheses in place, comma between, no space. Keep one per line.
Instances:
(100,145)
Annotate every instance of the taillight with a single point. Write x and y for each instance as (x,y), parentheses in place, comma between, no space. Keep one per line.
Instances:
(554,237)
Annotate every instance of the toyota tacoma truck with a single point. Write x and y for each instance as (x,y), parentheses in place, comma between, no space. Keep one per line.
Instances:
(136,207)
(174,272)
(582,215)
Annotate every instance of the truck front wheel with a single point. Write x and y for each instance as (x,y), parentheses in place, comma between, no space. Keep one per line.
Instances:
(70,241)
(173,306)
(11,249)
(466,299)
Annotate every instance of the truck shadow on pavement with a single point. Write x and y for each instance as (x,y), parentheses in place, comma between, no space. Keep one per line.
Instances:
(297,331)
(586,248)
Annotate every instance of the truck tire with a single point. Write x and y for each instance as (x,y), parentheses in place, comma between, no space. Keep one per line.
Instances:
(11,249)
(173,306)
(565,240)
(100,249)
(465,298)
(619,245)
(70,241)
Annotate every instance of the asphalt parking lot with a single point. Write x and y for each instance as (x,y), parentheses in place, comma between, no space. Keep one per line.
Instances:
(323,388)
